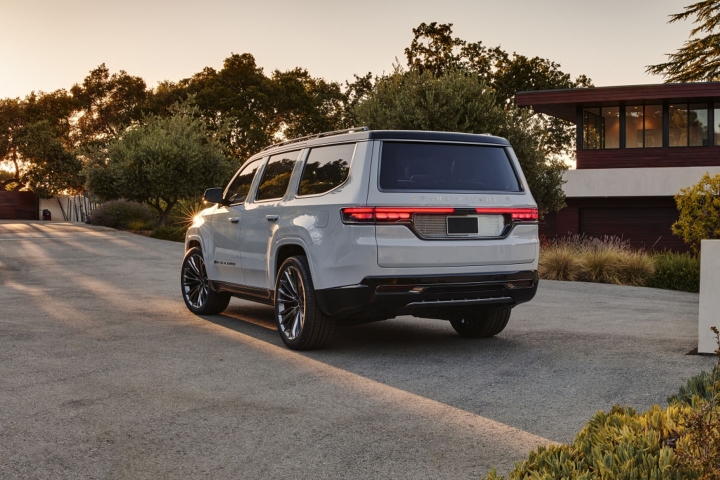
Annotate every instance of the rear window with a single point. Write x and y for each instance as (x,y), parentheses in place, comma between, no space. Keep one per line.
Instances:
(446,167)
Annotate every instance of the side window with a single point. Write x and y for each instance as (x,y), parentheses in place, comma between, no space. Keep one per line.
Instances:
(238,190)
(276,177)
(326,168)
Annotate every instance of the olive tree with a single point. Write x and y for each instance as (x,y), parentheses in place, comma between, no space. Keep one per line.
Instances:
(160,161)
(699,207)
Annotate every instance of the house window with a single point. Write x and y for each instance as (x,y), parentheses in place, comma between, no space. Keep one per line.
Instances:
(643,126)
(716,129)
(689,125)
(601,128)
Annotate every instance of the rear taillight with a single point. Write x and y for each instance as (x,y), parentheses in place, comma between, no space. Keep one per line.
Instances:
(388,214)
(517,214)
(404,215)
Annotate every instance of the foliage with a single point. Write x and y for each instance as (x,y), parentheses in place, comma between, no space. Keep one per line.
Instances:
(122,214)
(698,386)
(698,60)
(434,49)
(161,161)
(173,233)
(456,101)
(618,444)
(601,260)
(699,448)
(36,145)
(559,262)
(676,271)
(699,207)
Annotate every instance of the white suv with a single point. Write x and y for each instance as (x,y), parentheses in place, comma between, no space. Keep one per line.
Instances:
(356,226)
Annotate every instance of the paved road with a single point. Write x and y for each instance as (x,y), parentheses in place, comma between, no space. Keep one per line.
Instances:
(105,374)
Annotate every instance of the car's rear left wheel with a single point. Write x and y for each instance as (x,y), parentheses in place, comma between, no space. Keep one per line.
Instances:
(300,322)
(482,324)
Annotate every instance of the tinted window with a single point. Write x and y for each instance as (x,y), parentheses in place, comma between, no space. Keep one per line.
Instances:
(446,167)
(276,177)
(238,190)
(326,168)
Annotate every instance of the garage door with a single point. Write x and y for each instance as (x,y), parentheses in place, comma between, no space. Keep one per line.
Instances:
(642,227)
(18,206)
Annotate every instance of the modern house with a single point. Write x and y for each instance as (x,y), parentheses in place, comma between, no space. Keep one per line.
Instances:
(637,146)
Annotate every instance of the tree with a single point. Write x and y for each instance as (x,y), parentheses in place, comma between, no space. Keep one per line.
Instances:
(699,207)
(698,60)
(160,161)
(461,102)
(36,145)
(434,49)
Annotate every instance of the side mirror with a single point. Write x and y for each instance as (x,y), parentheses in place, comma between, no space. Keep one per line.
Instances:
(213,195)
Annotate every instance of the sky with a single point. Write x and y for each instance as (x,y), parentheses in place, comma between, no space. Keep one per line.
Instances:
(46,45)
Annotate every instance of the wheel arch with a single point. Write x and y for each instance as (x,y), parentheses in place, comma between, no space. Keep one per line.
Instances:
(285,249)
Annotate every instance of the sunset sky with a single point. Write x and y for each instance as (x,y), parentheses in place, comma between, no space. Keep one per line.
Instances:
(50,44)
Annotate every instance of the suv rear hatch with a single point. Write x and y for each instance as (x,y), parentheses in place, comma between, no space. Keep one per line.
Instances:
(450,205)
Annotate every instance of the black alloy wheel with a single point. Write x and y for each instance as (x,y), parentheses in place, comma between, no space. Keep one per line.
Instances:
(196,291)
(301,324)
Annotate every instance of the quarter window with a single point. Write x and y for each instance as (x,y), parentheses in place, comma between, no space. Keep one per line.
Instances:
(238,190)
(326,168)
(276,176)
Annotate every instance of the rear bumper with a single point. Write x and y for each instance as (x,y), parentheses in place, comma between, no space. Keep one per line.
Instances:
(390,296)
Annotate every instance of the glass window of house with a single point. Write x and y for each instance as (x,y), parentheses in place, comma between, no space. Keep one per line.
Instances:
(717,127)
(592,129)
(678,125)
(653,126)
(326,168)
(634,126)
(611,127)
(698,125)
(276,176)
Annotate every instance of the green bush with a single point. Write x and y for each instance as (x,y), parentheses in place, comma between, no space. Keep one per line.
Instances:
(676,271)
(121,213)
(174,233)
(700,385)
(618,444)
(699,207)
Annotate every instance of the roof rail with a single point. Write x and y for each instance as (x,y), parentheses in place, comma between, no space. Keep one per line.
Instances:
(317,135)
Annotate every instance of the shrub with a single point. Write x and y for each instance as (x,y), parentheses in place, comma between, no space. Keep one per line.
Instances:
(699,208)
(676,271)
(618,444)
(174,233)
(600,265)
(121,213)
(635,268)
(700,385)
(559,262)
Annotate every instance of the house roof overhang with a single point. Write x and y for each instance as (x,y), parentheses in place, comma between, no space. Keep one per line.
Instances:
(564,103)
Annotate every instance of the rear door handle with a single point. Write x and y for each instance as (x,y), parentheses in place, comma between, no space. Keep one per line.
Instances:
(271,218)
(234,219)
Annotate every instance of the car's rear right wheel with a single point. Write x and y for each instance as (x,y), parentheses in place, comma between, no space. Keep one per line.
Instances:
(483,324)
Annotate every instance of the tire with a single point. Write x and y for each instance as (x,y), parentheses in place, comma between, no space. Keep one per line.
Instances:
(301,324)
(483,324)
(199,297)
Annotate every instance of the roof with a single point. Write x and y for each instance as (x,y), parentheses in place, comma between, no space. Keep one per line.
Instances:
(563,103)
(360,134)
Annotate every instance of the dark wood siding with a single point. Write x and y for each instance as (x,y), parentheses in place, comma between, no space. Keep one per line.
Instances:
(644,221)
(649,157)
(18,206)
(562,103)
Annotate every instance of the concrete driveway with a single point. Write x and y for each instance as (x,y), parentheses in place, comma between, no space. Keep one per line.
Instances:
(105,374)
